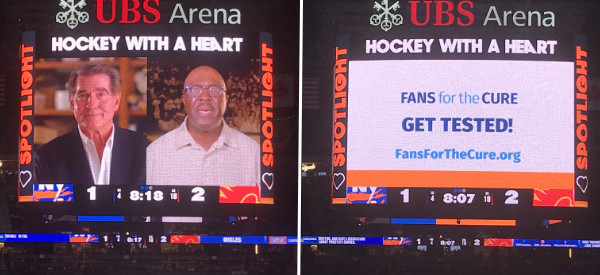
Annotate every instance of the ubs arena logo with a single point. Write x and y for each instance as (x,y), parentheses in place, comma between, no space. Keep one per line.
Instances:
(384,17)
(447,13)
(72,16)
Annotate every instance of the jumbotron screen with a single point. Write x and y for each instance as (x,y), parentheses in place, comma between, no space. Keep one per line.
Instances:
(463,112)
(156,110)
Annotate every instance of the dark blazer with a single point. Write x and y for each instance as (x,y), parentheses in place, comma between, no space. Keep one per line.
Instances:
(63,160)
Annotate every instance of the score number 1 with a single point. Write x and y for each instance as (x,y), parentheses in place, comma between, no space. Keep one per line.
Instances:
(92,191)
(405,195)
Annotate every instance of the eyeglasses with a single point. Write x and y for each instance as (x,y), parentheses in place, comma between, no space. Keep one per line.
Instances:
(213,90)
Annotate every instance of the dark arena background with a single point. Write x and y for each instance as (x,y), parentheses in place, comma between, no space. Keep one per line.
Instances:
(396,137)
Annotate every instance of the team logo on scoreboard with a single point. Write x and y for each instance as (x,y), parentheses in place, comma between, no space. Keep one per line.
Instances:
(53,192)
(385,18)
(72,16)
(366,195)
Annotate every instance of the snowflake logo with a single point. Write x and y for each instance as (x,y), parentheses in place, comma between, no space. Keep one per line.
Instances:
(72,16)
(385,18)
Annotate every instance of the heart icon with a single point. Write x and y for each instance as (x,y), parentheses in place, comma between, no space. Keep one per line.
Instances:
(28,177)
(582,182)
(338,180)
(267,179)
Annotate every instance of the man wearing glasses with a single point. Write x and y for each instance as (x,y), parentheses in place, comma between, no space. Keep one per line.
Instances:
(96,152)
(203,150)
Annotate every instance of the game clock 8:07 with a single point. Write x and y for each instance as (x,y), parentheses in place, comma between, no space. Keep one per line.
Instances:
(460,198)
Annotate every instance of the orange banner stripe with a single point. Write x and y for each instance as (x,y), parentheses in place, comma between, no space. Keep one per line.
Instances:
(25,198)
(471,222)
(338,200)
(267,201)
(463,179)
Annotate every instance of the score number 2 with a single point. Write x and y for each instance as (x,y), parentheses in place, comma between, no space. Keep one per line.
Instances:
(198,194)
(512,197)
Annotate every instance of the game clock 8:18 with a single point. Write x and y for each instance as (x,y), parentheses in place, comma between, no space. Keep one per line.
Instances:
(146,195)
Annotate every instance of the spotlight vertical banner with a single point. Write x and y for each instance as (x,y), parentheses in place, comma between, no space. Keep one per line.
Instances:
(26,172)
(340,120)
(581,123)
(267,130)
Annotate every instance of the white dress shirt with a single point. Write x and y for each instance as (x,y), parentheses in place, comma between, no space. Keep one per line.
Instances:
(176,159)
(100,168)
